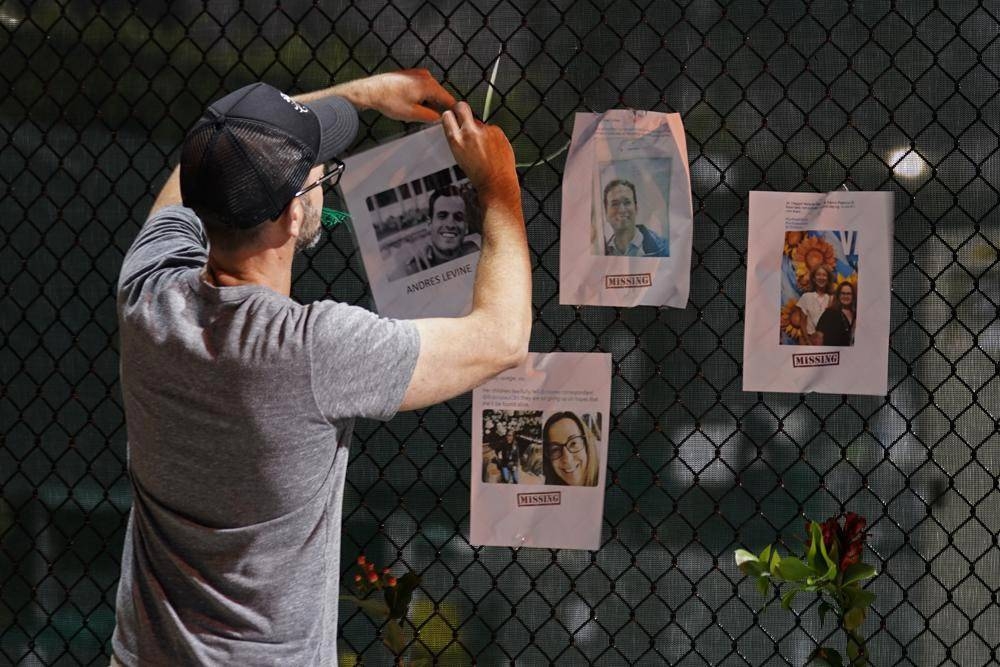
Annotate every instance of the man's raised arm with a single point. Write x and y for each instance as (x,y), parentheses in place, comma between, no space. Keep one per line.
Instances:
(458,354)
(410,95)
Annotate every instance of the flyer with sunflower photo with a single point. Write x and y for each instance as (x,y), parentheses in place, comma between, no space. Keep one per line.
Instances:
(818,292)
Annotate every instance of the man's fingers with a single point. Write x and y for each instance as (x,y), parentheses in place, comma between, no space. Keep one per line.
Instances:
(463,112)
(423,114)
(450,125)
(438,96)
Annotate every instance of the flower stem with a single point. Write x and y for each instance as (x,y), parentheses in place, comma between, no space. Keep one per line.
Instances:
(860,651)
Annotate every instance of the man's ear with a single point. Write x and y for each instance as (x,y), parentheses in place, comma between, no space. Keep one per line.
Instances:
(292,218)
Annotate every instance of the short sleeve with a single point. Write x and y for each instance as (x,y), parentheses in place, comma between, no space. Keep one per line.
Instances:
(361,363)
(173,237)
(813,308)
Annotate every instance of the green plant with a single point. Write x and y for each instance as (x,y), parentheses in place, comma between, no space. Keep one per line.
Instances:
(832,568)
(390,609)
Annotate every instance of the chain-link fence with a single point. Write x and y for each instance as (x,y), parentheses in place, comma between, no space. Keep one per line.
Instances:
(784,95)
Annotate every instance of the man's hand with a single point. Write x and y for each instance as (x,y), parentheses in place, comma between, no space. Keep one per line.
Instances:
(410,94)
(484,154)
(457,354)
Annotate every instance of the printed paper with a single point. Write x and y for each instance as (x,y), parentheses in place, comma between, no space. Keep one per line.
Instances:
(539,452)
(818,292)
(626,213)
(417,222)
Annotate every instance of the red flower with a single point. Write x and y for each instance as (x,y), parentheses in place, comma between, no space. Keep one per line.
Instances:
(361,560)
(854,525)
(845,542)
(391,581)
(372,577)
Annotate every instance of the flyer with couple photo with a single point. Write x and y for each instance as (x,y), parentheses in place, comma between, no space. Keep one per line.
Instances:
(539,453)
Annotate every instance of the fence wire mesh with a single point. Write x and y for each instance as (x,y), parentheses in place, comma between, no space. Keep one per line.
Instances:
(783,95)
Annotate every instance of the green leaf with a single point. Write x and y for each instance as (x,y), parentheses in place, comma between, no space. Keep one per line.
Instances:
(824,609)
(824,568)
(393,637)
(826,657)
(374,608)
(763,585)
(398,602)
(749,564)
(816,535)
(788,598)
(775,562)
(855,653)
(743,556)
(419,655)
(854,617)
(864,598)
(792,569)
(858,661)
(858,572)
(769,558)
(831,564)
(857,597)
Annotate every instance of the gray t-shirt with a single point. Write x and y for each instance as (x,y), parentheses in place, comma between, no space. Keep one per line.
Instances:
(239,404)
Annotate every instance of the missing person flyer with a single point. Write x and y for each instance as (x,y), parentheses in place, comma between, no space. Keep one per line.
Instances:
(539,452)
(626,229)
(818,292)
(418,225)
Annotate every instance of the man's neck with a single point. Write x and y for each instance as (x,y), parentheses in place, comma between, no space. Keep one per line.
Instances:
(271,268)
(441,257)
(623,239)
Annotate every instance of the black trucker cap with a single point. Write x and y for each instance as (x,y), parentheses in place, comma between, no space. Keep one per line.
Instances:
(245,159)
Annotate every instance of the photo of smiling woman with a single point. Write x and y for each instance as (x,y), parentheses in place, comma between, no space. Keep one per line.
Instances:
(837,323)
(569,454)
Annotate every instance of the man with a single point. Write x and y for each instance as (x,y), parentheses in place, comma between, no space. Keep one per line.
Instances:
(448,226)
(506,455)
(628,238)
(240,402)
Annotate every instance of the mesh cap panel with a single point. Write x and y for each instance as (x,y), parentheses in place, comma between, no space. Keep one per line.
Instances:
(241,171)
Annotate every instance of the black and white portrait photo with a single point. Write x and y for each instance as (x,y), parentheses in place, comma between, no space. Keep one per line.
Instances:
(418,225)
(425,222)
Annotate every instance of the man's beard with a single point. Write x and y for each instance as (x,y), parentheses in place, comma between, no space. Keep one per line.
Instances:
(312,230)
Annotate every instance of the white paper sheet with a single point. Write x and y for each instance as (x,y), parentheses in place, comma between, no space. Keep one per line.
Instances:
(522,496)
(626,176)
(797,337)
(417,266)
